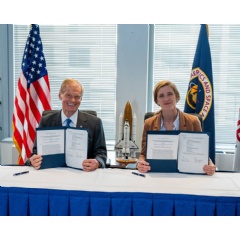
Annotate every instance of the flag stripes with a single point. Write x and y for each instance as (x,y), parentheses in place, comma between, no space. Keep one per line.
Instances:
(32,95)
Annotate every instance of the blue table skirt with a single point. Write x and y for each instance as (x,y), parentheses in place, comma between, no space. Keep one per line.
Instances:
(44,202)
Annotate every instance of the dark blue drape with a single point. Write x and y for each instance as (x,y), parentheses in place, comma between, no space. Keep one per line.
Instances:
(43,202)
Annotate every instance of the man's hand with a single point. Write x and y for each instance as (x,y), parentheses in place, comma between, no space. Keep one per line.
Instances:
(36,161)
(90,165)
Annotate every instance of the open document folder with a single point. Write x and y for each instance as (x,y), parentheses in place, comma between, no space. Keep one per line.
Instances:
(62,146)
(177,151)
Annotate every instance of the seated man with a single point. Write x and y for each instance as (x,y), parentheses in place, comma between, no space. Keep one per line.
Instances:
(70,94)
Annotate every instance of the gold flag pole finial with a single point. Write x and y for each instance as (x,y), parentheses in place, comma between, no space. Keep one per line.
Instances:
(207,28)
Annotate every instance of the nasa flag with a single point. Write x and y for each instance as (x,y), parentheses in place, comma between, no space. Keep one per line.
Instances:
(200,94)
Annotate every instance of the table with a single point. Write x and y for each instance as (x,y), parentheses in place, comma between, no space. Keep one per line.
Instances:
(118,192)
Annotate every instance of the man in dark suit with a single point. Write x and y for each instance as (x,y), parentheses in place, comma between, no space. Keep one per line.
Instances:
(70,94)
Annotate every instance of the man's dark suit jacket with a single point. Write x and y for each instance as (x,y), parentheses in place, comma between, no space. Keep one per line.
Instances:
(96,138)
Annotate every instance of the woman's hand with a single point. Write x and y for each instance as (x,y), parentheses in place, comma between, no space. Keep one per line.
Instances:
(143,166)
(209,169)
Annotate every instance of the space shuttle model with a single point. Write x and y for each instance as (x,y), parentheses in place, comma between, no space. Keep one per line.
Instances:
(126,146)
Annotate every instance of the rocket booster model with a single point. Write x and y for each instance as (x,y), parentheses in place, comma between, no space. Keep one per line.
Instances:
(126,145)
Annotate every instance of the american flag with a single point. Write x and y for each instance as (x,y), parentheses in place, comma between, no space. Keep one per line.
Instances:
(32,95)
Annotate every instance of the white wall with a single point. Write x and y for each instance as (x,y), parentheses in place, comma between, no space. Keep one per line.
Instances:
(132,72)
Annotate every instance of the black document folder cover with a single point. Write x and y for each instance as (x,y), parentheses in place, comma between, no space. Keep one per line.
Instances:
(166,165)
(53,161)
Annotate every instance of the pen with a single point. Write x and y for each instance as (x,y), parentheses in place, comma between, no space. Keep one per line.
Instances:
(20,173)
(138,174)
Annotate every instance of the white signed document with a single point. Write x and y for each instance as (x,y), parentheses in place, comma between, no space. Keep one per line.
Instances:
(193,152)
(161,146)
(71,142)
(51,141)
(76,147)
(189,149)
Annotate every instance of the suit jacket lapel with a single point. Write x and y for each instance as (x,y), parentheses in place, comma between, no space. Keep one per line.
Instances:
(182,122)
(82,120)
(157,122)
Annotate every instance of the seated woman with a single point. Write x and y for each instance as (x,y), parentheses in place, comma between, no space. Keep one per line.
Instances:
(169,117)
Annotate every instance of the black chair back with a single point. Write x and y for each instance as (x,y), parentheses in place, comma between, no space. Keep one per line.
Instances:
(52,111)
